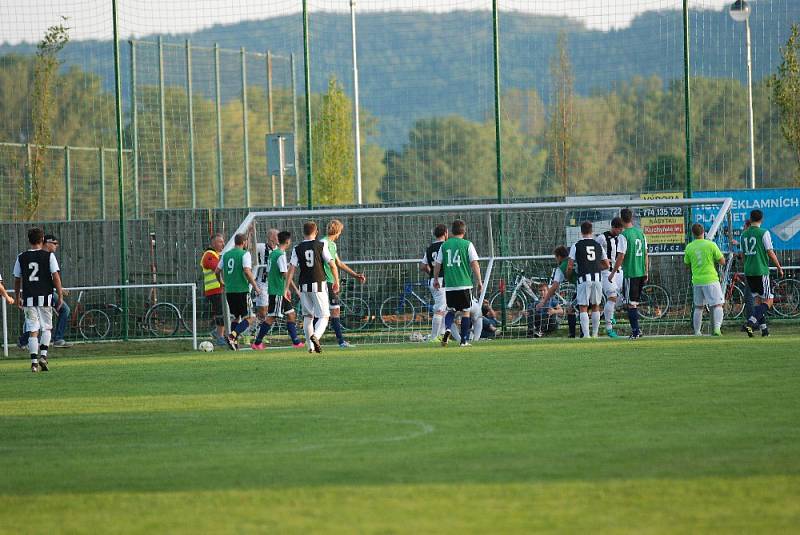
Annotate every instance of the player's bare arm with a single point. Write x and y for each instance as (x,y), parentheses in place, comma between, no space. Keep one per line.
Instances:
(437,268)
(287,293)
(248,273)
(570,268)
(344,267)
(617,265)
(5,295)
(476,270)
(772,256)
(335,272)
(425,268)
(18,292)
(59,290)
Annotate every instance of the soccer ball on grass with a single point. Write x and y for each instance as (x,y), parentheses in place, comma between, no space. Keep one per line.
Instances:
(206,347)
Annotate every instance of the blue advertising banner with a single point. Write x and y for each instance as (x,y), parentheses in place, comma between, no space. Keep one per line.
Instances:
(781,209)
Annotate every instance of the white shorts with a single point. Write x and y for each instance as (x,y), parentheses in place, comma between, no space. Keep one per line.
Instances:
(263,299)
(708,294)
(589,293)
(439,298)
(38,318)
(612,289)
(315,304)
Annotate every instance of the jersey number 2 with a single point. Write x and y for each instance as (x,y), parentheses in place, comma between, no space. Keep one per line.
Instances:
(34,276)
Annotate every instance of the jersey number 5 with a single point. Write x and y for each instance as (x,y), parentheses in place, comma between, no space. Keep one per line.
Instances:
(590,254)
(34,276)
(310,258)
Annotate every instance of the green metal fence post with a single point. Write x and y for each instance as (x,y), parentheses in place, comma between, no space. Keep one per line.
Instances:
(687,98)
(28,186)
(120,171)
(190,107)
(270,118)
(498,143)
(294,127)
(307,76)
(67,185)
(102,164)
(246,146)
(162,121)
(135,133)
(218,105)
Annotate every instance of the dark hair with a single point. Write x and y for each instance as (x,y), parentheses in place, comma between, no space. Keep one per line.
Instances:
(458,227)
(439,230)
(239,239)
(616,223)
(747,223)
(698,230)
(626,215)
(756,216)
(50,238)
(283,236)
(35,236)
(217,235)
(586,227)
(561,251)
(309,228)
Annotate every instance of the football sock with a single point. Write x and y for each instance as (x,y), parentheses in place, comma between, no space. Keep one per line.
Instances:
(292,328)
(633,316)
(263,329)
(466,328)
(608,312)
(571,324)
(760,312)
(308,327)
(241,327)
(697,320)
(477,328)
(717,315)
(33,349)
(585,324)
(336,323)
(44,343)
(234,324)
(319,328)
(436,325)
(448,320)
(595,323)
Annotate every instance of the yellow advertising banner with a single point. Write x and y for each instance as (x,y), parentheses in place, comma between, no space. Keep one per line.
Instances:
(663,226)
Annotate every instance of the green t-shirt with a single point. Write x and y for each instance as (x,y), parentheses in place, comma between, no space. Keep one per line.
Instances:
(702,255)
(634,264)
(276,267)
(331,245)
(754,246)
(233,262)
(455,256)
(563,268)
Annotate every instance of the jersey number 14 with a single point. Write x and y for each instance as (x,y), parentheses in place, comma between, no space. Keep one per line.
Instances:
(453,258)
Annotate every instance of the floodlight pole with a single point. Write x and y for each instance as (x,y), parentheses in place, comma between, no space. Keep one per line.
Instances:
(356,123)
(750,105)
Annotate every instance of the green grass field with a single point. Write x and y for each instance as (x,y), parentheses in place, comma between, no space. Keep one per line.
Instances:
(660,435)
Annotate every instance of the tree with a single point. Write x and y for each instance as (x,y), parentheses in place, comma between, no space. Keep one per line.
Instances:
(332,143)
(665,173)
(562,120)
(786,91)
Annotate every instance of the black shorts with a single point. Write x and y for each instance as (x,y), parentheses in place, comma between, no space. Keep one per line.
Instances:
(238,304)
(760,285)
(333,297)
(633,289)
(278,306)
(215,301)
(460,300)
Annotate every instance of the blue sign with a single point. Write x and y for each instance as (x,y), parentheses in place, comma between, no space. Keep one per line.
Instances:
(781,209)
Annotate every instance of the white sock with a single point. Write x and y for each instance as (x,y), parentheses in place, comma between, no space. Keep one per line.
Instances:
(595,323)
(322,324)
(697,320)
(436,325)
(33,348)
(717,313)
(585,324)
(308,328)
(608,312)
(477,327)
(44,343)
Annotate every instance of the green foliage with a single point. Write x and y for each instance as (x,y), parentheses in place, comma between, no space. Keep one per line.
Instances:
(562,118)
(786,92)
(666,173)
(332,145)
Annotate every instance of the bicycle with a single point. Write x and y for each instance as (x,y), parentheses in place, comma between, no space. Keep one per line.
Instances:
(399,312)
(786,301)
(160,319)
(654,302)
(355,312)
(523,290)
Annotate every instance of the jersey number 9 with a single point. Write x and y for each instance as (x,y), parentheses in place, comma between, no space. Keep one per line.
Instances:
(310,258)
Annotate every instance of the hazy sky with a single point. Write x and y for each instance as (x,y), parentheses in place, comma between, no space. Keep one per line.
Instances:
(26,20)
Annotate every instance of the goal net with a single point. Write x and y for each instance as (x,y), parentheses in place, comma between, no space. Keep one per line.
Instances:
(515,243)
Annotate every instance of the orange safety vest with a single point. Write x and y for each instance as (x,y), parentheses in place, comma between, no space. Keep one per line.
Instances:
(211,284)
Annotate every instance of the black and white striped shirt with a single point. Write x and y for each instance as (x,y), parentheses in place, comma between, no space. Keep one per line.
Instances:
(35,268)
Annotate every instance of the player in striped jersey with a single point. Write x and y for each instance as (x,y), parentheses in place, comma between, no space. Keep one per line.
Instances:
(426,265)
(590,259)
(609,240)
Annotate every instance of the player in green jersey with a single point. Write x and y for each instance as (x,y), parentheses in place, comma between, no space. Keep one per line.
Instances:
(702,257)
(237,272)
(757,249)
(632,258)
(277,269)
(334,232)
(457,261)
(558,278)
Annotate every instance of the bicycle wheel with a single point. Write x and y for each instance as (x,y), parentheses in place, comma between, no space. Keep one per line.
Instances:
(654,302)
(94,324)
(204,320)
(734,304)
(515,310)
(355,313)
(397,312)
(163,319)
(787,298)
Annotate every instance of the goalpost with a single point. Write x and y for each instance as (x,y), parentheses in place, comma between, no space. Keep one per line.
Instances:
(515,243)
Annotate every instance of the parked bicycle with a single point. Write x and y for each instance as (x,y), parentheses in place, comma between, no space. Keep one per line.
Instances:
(524,291)
(159,319)
(404,310)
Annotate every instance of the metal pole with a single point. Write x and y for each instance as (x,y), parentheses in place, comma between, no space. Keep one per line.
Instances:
(750,106)
(28,178)
(687,101)
(294,128)
(356,123)
(162,121)
(246,145)
(270,117)
(102,164)
(217,97)
(307,76)
(190,107)
(67,185)
(282,163)
(498,142)
(123,265)
(135,132)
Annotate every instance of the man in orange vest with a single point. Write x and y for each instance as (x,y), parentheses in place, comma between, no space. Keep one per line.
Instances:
(212,285)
